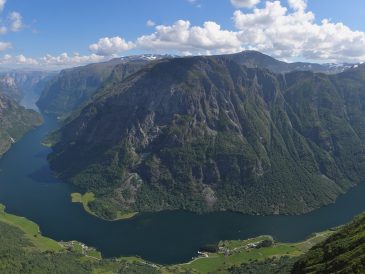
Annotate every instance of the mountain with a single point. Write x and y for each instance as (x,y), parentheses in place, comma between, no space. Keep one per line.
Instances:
(15,121)
(17,84)
(72,88)
(341,253)
(255,59)
(206,133)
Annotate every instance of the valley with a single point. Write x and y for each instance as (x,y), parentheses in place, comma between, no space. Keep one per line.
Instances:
(28,189)
(185,136)
(94,222)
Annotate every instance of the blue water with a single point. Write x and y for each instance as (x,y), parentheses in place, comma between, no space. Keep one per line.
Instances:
(28,189)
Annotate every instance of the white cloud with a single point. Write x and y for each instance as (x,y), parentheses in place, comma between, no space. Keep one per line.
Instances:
(150,23)
(48,61)
(65,59)
(276,30)
(16,21)
(298,4)
(244,3)
(2,5)
(18,60)
(12,22)
(286,32)
(181,36)
(109,46)
(21,59)
(5,46)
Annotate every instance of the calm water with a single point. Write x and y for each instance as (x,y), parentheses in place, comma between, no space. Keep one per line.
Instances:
(28,189)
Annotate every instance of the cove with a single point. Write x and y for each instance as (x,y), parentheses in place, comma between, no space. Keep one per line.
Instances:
(28,189)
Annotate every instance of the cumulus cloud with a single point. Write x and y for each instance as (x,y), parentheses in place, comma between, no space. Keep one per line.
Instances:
(286,32)
(16,21)
(181,36)
(12,22)
(21,59)
(276,30)
(109,46)
(48,61)
(298,4)
(244,3)
(65,59)
(18,60)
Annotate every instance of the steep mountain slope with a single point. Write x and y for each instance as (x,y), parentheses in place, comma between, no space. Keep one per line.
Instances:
(15,121)
(72,88)
(205,133)
(343,252)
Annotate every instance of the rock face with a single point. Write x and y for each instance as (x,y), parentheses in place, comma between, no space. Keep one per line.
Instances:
(72,88)
(207,133)
(15,121)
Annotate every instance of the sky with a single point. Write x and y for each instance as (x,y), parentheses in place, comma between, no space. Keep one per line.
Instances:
(64,33)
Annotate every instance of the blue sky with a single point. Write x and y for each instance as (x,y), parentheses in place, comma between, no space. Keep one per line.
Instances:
(56,27)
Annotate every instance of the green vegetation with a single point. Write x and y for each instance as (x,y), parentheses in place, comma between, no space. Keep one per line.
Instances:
(31,231)
(244,254)
(24,250)
(15,121)
(89,199)
(84,200)
(208,134)
(343,252)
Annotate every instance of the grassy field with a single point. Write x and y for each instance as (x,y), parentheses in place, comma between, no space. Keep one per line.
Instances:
(237,252)
(31,231)
(84,200)
(89,197)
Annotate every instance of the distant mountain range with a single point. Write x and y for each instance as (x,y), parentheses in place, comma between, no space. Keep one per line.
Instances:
(231,132)
(255,59)
(73,88)
(16,84)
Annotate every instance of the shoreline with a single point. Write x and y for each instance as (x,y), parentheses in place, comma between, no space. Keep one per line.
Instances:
(88,197)
(228,253)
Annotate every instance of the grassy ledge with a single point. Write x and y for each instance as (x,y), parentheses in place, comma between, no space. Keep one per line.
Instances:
(89,197)
(31,231)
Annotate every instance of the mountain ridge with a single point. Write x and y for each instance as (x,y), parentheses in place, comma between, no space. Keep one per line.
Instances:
(75,87)
(206,133)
